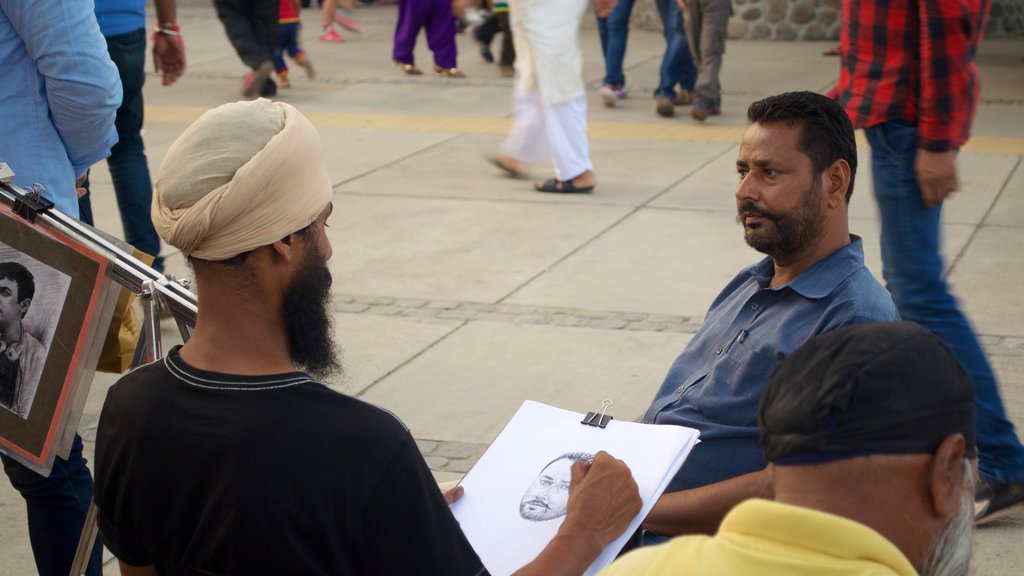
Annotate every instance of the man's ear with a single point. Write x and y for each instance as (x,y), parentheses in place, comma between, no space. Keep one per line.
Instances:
(946,476)
(23,306)
(285,248)
(837,182)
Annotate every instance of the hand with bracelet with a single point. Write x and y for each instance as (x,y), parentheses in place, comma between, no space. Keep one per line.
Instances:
(168,52)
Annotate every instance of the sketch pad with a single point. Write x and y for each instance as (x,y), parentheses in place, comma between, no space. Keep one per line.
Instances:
(489,512)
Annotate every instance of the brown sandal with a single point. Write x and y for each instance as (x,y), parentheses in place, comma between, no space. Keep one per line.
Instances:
(409,69)
(449,72)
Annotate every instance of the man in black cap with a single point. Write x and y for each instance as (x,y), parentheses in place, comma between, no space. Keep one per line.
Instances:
(870,432)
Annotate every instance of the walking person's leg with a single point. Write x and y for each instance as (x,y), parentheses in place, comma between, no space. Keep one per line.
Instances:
(410,20)
(566,130)
(713,24)
(915,275)
(57,506)
(441,27)
(613,44)
(129,169)
(677,67)
(527,140)
(508,50)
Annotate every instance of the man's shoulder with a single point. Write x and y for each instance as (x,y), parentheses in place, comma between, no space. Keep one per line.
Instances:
(867,299)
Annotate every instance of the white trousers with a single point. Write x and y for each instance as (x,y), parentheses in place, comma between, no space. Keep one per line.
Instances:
(558,132)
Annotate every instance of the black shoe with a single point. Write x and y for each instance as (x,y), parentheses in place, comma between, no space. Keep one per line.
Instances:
(994,501)
(269,89)
(486,54)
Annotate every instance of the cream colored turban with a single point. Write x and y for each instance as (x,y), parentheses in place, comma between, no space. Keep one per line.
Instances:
(244,175)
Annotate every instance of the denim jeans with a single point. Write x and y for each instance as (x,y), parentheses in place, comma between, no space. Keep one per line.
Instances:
(677,65)
(127,163)
(614,32)
(913,271)
(57,506)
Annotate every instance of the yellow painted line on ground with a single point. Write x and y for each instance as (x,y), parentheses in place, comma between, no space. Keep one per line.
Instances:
(597,130)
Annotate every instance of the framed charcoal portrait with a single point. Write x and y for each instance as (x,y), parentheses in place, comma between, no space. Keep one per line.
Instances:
(55,295)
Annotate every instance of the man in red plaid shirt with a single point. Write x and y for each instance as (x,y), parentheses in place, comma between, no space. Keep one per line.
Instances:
(910,80)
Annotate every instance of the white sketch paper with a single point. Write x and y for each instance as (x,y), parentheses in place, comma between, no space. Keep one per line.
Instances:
(515,495)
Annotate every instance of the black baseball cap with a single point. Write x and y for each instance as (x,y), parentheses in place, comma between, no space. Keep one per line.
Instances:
(884,388)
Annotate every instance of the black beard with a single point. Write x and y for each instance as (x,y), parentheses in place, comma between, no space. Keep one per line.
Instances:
(307,317)
(792,233)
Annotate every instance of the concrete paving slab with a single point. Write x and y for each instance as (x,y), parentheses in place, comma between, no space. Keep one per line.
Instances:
(988,279)
(1009,208)
(640,172)
(352,153)
(1010,375)
(663,261)
(484,371)
(374,346)
(454,249)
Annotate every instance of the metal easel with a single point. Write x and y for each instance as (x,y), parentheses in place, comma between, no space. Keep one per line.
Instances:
(155,290)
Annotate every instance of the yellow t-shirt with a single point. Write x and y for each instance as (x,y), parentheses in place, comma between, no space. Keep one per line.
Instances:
(772,539)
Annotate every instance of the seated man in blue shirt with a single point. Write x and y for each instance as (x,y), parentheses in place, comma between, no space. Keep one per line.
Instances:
(796,165)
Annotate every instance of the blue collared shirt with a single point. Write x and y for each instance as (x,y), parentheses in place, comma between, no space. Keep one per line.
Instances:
(58,95)
(716,383)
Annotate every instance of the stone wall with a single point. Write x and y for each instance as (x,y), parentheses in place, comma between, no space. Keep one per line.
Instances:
(813,19)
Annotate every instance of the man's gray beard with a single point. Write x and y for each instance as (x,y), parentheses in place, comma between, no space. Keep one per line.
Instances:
(950,554)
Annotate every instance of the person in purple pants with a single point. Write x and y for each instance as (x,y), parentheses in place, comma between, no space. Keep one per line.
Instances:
(436,17)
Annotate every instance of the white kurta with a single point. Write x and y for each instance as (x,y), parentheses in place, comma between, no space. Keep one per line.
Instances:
(548,57)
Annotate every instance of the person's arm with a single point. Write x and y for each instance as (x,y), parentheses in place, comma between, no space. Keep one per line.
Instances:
(603,499)
(700,510)
(83,90)
(168,45)
(945,97)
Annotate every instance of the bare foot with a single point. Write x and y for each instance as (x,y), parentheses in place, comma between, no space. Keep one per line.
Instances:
(510,165)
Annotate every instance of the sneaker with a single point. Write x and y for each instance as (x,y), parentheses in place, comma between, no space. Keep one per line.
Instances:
(702,109)
(347,20)
(331,35)
(253,83)
(486,54)
(269,89)
(684,98)
(612,94)
(994,501)
(665,106)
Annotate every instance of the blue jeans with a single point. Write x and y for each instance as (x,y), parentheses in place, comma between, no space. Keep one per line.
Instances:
(127,163)
(614,32)
(677,65)
(129,170)
(56,511)
(913,271)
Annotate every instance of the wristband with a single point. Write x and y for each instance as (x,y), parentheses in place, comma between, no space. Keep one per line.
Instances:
(168,28)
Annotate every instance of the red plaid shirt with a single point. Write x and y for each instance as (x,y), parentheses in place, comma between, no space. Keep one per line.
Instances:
(912,60)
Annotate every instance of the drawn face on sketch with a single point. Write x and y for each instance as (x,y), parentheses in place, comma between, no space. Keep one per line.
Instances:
(11,308)
(548,494)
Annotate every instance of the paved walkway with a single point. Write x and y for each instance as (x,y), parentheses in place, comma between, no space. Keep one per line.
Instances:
(459,292)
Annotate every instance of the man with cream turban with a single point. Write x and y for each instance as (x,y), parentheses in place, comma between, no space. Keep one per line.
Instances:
(224,458)
(550,99)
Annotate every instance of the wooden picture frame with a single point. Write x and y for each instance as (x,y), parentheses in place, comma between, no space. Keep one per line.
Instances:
(65,318)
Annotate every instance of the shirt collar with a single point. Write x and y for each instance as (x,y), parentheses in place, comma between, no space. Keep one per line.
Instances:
(817,532)
(822,278)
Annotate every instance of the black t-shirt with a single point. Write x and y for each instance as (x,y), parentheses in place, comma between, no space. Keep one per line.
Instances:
(206,473)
